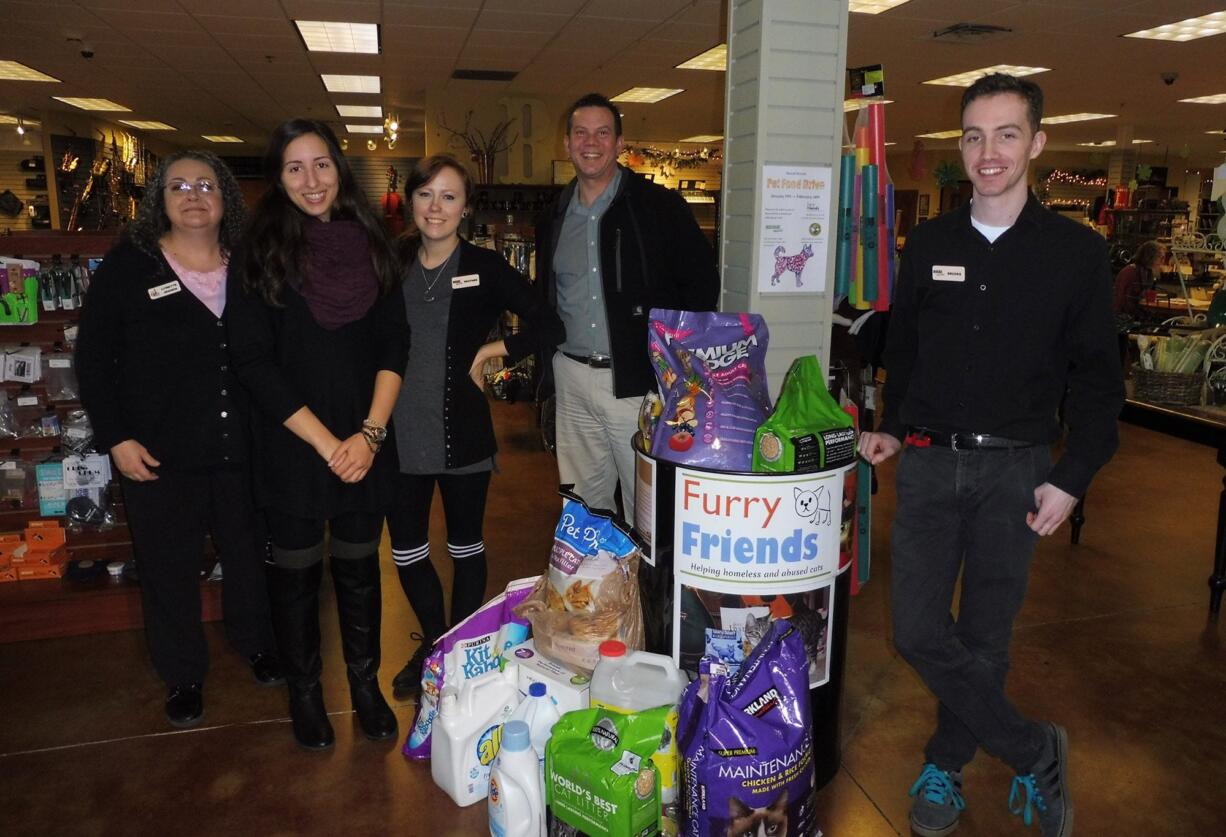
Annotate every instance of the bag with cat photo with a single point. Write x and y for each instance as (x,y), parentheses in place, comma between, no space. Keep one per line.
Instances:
(590,592)
(748,747)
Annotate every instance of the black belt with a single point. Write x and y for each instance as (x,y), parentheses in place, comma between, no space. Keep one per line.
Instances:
(594,361)
(922,437)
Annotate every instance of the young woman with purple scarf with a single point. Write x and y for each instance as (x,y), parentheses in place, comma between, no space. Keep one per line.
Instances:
(317,333)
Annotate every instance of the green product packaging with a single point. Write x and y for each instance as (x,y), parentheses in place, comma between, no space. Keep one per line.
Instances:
(20,308)
(599,777)
(808,430)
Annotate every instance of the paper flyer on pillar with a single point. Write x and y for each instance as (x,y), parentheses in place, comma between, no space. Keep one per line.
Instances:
(794,229)
(750,549)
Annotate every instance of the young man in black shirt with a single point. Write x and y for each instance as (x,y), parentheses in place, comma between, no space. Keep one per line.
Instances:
(1002,315)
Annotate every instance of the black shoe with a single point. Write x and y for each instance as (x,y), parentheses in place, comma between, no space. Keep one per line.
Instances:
(266,668)
(312,729)
(359,608)
(407,683)
(294,595)
(184,705)
(375,717)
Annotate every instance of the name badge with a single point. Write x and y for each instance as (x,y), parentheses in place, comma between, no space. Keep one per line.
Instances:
(165,290)
(470,280)
(948,273)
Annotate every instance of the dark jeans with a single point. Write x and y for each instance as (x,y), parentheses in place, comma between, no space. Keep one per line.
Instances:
(966,511)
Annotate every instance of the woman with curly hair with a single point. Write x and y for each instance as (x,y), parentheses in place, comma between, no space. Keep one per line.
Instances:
(318,335)
(155,378)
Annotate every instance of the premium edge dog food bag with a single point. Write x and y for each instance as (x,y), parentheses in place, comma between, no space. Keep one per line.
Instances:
(808,430)
(748,745)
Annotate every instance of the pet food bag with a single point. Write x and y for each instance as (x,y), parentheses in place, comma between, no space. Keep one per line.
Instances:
(468,650)
(748,746)
(808,430)
(590,592)
(599,777)
(711,368)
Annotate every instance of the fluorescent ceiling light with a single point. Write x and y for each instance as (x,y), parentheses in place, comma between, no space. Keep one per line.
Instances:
(1110,143)
(873,7)
(1217,133)
(364,129)
(647,95)
(971,76)
(716,58)
(91,104)
(1186,30)
(703,138)
(327,36)
(1074,117)
(145,125)
(351,84)
(1215,99)
(360,111)
(220,138)
(16,71)
(857,104)
(6,119)
(941,134)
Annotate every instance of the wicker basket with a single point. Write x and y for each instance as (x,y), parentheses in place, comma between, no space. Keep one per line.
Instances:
(1166,387)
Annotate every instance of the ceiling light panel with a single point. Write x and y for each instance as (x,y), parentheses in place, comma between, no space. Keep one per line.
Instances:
(147,125)
(941,134)
(1074,117)
(327,36)
(873,7)
(9,119)
(16,71)
(364,129)
(716,58)
(360,111)
(1111,143)
(351,84)
(703,138)
(1215,99)
(91,104)
(1186,30)
(971,76)
(220,138)
(647,95)
(856,104)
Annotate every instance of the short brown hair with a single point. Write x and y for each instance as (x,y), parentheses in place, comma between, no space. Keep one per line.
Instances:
(996,83)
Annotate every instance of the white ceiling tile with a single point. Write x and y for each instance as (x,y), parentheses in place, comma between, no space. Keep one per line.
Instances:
(451,14)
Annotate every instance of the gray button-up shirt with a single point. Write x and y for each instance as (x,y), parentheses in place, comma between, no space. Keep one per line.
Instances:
(577,265)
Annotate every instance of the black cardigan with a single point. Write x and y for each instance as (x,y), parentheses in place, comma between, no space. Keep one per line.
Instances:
(475,310)
(157,370)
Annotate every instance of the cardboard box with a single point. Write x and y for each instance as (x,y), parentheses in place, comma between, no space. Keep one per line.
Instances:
(568,689)
(33,572)
(8,574)
(45,534)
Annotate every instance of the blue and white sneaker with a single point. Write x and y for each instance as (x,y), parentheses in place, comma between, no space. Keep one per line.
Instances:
(938,801)
(1042,793)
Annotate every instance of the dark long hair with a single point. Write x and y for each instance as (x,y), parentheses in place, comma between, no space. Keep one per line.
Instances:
(275,236)
(150,223)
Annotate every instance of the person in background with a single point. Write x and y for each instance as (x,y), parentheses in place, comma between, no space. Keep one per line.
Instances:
(1002,312)
(454,294)
(1133,279)
(317,334)
(613,246)
(161,397)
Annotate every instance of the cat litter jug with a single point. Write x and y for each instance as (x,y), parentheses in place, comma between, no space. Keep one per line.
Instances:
(631,681)
(516,800)
(468,732)
(540,714)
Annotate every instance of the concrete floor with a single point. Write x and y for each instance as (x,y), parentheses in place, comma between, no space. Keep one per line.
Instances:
(1113,642)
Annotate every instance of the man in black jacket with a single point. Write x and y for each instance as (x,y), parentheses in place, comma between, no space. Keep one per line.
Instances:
(613,246)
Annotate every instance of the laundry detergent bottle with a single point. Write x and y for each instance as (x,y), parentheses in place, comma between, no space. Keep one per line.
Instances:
(516,802)
(468,732)
(540,714)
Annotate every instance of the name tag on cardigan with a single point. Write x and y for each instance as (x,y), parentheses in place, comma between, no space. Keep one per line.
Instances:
(470,280)
(165,290)
(948,273)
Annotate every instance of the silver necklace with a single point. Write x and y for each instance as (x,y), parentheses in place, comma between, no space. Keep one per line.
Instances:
(428,294)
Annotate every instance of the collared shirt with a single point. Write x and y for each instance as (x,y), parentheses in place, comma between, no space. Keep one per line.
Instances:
(576,262)
(989,337)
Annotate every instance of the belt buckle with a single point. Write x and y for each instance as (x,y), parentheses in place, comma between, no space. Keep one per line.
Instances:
(953,442)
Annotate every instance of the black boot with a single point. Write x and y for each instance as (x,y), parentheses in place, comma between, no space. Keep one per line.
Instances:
(359,607)
(294,596)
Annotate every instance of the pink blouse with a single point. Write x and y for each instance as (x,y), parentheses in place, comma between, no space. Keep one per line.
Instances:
(209,287)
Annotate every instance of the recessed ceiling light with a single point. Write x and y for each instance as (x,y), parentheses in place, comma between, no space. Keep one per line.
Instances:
(971,76)
(360,111)
(716,58)
(148,125)
(327,36)
(351,84)
(16,71)
(1215,99)
(91,104)
(364,129)
(703,138)
(1186,30)
(873,7)
(856,104)
(220,138)
(1110,143)
(941,134)
(647,95)
(1074,117)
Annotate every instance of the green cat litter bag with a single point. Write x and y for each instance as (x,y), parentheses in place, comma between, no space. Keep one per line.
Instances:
(808,430)
(599,778)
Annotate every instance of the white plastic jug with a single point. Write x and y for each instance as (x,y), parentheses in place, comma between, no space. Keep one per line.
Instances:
(540,714)
(516,800)
(468,731)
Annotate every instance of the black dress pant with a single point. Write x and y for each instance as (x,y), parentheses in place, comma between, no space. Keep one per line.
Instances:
(169,518)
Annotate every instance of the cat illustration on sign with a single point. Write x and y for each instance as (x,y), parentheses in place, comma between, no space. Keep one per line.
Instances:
(794,264)
(814,505)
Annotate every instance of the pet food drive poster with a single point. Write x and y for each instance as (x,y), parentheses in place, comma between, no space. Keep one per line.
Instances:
(794,229)
(749,549)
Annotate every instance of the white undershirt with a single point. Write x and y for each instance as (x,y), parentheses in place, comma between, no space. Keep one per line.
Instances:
(990,233)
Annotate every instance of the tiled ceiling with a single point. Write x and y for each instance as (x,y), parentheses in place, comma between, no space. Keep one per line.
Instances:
(239,66)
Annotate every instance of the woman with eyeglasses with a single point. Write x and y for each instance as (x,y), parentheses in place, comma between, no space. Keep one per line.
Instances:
(156,381)
(317,333)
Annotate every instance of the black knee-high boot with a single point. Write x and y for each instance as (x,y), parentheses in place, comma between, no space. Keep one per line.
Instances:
(295,613)
(359,608)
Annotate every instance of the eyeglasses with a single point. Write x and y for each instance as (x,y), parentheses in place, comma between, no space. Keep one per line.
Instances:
(182,188)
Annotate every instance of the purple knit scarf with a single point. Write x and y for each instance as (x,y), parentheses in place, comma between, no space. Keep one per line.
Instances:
(339,281)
